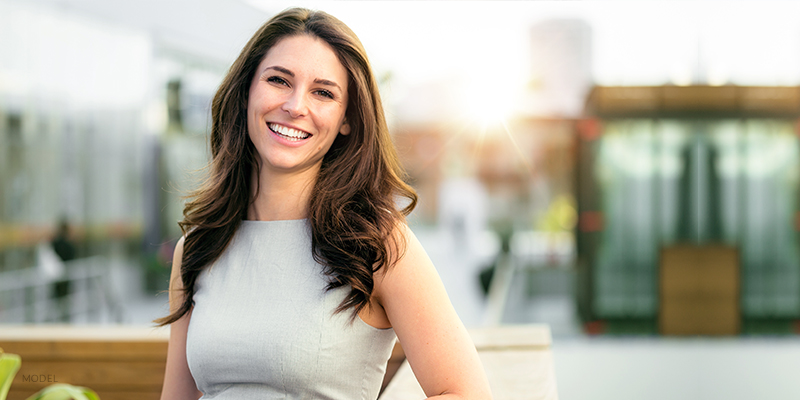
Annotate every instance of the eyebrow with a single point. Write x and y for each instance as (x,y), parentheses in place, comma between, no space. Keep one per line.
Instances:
(281,69)
(325,82)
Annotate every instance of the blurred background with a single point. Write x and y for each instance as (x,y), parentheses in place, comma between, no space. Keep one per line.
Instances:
(624,172)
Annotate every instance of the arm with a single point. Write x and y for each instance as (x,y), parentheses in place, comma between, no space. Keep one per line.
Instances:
(178,380)
(434,339)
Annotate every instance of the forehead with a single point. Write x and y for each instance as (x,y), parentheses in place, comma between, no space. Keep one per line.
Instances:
(306,56)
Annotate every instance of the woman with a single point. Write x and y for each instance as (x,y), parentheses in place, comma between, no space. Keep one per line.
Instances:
(296,269)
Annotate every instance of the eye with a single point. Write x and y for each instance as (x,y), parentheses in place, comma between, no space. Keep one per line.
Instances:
(324,93)
(278,80)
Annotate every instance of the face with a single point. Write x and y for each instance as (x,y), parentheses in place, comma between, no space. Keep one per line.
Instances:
(296,105)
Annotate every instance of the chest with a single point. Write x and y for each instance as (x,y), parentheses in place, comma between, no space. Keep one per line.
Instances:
(263,317)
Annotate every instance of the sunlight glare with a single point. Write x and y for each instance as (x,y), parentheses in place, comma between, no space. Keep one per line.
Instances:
(487,105)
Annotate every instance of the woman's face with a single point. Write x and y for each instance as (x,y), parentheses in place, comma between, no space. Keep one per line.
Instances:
(296,105)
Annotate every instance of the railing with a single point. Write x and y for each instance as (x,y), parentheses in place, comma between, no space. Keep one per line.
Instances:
(28,295)
(536,249)
(528,250)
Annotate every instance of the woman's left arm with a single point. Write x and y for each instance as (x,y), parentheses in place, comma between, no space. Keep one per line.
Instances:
(437,346)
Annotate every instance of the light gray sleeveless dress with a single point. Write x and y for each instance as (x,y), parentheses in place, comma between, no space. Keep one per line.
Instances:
(263,325)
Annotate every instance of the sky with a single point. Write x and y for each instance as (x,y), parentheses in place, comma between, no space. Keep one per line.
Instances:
(633,42)
(476,52)
(484,48)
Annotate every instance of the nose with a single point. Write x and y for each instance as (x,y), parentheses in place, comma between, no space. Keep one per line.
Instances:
(295,105)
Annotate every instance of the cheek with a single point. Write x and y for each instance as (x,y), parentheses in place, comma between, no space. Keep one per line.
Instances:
(252,123)
(333,119)
(256,109)
(263,99)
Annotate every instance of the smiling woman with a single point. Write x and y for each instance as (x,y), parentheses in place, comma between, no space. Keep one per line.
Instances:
(296,107)
(297,272)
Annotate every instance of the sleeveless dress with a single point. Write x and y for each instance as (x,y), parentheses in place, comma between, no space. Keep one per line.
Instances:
(263,326)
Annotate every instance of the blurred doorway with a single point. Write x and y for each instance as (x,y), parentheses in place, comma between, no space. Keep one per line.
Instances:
(698,166)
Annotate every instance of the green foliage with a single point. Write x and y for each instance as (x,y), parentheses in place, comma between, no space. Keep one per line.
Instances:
(62,391)
(9,365)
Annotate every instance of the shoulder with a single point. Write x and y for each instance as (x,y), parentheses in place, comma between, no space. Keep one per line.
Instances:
(408,262)
(177,259)
(179,245)
(436,343)
(177,254)
(176,294)
(400,242)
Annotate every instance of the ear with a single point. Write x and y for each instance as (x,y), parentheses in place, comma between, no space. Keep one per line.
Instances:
(345,128)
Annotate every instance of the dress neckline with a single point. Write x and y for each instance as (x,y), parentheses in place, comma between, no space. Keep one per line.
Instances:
(275,221)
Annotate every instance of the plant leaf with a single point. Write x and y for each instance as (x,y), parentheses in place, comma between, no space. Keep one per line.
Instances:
(9,365)
(63,391)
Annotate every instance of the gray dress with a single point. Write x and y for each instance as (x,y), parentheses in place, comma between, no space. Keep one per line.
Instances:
(263,326)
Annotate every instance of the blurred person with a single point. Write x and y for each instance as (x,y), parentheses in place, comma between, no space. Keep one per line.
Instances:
(64,247)
(296,270)
(62,243)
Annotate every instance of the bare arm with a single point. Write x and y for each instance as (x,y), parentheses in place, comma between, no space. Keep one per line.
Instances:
(434,339)
(178,380)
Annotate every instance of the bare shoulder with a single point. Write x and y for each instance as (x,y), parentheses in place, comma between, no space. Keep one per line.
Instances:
(409,265)
(177,258)
(434,339)
(178,253)
(175,277)
(404,251)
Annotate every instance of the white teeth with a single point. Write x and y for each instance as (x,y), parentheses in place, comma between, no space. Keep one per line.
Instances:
(289,133)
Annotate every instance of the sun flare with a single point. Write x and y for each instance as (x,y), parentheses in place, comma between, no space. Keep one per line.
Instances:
(487,106)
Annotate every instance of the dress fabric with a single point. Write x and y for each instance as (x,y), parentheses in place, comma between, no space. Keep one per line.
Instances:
(263,326)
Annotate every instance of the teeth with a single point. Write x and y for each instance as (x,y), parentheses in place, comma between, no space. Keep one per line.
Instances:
(289,133)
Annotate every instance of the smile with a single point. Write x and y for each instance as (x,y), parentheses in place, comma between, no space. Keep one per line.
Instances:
(289,133)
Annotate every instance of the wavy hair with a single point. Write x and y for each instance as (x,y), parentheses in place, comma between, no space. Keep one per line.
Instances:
(352,209)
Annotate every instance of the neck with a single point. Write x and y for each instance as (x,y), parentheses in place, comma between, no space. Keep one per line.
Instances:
(281,196)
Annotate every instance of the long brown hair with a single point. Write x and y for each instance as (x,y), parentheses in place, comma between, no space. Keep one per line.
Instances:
(352,208)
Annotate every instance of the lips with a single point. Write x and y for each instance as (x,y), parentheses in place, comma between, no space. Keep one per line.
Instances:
(287,133)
